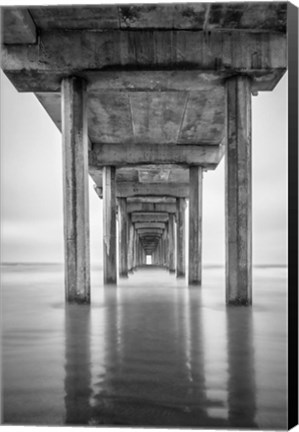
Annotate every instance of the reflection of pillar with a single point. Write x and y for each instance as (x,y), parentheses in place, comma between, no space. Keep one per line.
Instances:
(241,370)
(191,341)
(180,244)
(109,225)
(171,243)
(77,383)
(238,192)
(75,190)
(123,237)
(195,225)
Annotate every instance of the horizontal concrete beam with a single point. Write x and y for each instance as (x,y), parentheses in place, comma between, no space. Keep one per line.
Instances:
(149,217)
(160,207)
(150,237)
(143,231)
(151,199)
(207,156)
(147,225)
(130,189)
(224,52)
(130,81)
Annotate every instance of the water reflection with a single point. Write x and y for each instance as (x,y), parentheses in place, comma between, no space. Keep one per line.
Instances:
(241,373)
(150,352)
(163,359)
(77,364)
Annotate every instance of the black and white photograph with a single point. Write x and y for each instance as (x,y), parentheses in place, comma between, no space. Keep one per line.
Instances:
(149,215)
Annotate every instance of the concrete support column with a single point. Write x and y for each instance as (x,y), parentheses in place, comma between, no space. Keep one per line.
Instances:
(139,259)
(131,246)
(109,225)
(135,250)
(180,245)
(75,190)
(195,226)
(166,247)
(238,206)
(161,251)
(123,237)
(171,243)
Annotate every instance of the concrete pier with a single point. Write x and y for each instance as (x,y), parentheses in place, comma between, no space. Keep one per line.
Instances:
(160,110)
(109,226)
(75,190)
(195,226)
(238,194)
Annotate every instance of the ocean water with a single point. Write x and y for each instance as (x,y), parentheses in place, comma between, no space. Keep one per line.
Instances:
(151,352)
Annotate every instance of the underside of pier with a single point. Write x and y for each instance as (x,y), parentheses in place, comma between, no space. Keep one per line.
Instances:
(148,98)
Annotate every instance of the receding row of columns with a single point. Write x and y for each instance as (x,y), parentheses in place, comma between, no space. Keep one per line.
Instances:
(76,205)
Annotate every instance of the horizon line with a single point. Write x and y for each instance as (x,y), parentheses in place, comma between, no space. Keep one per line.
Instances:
(100,264)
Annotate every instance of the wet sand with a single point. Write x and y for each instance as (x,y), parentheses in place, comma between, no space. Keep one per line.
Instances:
(151,352)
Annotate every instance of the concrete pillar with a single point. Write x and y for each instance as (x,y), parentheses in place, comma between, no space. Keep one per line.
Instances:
(109,225)
(180,245)
(171,243)
(160,254)
(131,246)
(123,237)
(135,250)
(166,254)
(75,190)
(238,192)
(195,226)
(138,253)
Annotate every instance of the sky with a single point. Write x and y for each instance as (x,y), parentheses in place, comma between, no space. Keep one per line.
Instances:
(31,184)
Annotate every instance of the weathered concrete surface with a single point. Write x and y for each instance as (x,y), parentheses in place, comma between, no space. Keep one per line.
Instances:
(151,199)
(131,245)
(238,194)
(75,191)
(129,175)
(195,226)
(149,217)
(222,51)
(18,26)
(109,226)
(171,240)
(123,237)
(180,237)
(131,189)
(143,207)
(142,231)
(149,225)
(263,16)
(157,153)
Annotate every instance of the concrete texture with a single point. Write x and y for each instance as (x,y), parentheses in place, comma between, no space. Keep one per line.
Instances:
(109,226)
(75,191)
(195,226)
(238,193)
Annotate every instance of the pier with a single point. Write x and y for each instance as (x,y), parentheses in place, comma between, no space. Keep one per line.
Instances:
(149,99)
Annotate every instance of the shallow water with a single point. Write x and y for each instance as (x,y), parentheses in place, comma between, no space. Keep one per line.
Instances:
(151,352)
